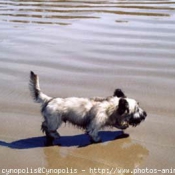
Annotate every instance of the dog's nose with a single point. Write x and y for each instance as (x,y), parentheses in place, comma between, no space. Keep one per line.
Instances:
(145,114)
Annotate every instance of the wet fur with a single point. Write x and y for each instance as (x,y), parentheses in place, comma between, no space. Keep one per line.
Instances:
(91,114)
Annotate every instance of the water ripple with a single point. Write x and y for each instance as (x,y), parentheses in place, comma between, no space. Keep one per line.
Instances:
(88,44)
(50,12)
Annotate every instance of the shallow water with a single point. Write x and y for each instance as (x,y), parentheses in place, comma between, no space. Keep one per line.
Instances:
(89,48)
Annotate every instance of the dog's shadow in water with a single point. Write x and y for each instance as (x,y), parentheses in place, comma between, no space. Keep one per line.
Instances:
(81,140)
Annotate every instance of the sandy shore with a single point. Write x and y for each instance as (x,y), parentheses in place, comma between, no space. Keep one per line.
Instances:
(150,145)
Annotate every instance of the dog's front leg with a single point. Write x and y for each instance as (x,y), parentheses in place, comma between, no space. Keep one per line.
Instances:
(94,137)
(93,134)
(94,126)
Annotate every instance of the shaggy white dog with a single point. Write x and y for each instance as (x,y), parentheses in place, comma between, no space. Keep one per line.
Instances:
(91,114)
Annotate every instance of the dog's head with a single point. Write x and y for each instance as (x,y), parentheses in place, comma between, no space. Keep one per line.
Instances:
(129,110)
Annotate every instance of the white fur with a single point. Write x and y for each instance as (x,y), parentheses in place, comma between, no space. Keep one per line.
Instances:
(89,114)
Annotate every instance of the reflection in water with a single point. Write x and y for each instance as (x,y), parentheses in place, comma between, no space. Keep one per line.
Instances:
(63,12)
(115,154)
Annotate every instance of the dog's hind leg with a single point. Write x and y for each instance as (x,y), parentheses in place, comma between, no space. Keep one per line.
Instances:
(50,126)
(50,137)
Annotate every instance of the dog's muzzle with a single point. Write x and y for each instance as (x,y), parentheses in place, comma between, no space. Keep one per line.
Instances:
(132,119)
(136,118)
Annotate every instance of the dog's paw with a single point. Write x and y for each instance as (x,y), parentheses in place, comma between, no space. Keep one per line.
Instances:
(49,141)
(92,141)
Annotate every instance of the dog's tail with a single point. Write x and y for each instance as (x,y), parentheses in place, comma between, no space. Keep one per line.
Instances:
(35,90)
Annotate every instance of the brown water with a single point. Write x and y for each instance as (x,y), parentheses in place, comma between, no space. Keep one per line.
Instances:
(88,48)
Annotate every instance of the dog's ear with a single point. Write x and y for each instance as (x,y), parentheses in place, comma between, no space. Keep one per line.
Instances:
(122,106)
(119,93)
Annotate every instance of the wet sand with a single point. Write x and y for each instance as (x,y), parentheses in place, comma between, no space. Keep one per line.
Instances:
(86,49)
